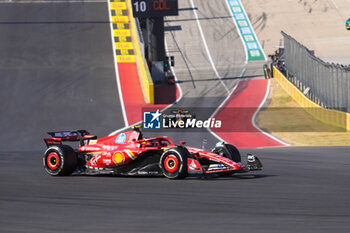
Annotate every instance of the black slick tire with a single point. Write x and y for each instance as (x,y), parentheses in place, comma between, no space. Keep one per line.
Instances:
(229,151)
(173,163)
(60,160)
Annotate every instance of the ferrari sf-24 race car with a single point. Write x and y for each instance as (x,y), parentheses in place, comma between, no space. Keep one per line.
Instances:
(130,154)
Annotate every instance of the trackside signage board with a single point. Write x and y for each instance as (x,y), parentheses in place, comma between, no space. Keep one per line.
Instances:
(154,8)
(254,51)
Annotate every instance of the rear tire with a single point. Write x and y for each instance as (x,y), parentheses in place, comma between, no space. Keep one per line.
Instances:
(60,160)
(173,163)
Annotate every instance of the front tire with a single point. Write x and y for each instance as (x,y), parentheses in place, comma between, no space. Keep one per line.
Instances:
(229,151)
(60,160)
(173,163)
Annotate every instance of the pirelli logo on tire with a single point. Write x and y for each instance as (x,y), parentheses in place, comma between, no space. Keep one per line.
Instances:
(124,48)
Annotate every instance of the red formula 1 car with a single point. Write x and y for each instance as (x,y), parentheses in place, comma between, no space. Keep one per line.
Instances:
(130,154)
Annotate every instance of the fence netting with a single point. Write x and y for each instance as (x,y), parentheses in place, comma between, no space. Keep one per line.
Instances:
(327,84)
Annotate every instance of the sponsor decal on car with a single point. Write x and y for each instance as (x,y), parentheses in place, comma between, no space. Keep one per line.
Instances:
(118,158)
(89,148)
(216,167)
(94,160)
(92,142)
(107,161)
(109,147)
(193,165)
(64,134)
(130,154)
(121,138)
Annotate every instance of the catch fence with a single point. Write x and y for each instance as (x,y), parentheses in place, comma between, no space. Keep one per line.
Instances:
(326,84)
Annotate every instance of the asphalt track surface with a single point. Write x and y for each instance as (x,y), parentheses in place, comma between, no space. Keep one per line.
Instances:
(204,87)
(300,190)
(57,72)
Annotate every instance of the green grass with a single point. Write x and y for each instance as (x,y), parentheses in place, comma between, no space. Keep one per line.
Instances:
(285,119)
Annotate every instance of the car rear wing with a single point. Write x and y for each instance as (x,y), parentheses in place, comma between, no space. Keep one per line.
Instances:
(75,135)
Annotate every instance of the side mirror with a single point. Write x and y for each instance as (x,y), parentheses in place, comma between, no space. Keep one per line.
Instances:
(182,143)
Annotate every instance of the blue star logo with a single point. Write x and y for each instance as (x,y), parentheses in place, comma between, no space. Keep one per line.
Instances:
(151,120)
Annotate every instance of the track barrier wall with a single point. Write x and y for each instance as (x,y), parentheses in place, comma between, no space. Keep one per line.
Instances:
(142,67)
(328,116)
(128,48)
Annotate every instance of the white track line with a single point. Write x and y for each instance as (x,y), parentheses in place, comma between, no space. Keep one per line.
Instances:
(206,47)
(229,93)
(268,86)
(126,124)
(335,4)
(253,120)
(223,103)
(256,113)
